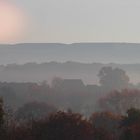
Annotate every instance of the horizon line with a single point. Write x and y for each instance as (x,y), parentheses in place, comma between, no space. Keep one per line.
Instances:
(20,43)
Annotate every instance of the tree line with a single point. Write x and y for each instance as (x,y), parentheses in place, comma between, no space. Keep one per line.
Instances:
(71,93)
(67,125)
(70,110)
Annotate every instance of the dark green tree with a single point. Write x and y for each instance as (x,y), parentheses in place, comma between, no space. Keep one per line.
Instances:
(133,116)
(131,125)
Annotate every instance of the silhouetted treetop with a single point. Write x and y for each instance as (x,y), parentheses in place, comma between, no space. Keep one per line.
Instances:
(113,78)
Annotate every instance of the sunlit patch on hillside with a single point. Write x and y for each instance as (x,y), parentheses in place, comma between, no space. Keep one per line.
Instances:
(12,22)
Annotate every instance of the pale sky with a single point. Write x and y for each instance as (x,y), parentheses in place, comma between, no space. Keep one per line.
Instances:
(69,21)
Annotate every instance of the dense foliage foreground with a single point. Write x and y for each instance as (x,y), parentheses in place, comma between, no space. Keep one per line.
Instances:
(66,125)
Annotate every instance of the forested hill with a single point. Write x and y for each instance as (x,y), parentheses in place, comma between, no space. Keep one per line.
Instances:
(81,52)
(34,72)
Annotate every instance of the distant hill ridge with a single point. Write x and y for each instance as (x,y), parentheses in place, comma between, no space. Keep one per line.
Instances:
(33,72)
(101,44)
(81,52)
(83,61)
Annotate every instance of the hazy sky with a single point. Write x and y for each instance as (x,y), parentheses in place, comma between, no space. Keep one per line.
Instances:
(70,21)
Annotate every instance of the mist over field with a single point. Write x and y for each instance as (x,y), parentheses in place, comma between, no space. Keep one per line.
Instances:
(69,70)
(34,72)
(75,61)
(49,85)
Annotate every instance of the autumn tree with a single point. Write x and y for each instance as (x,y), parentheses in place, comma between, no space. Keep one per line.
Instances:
(120,101)
(106,124)
(63,126)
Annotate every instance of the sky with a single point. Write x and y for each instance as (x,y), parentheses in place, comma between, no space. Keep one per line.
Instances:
(69,21)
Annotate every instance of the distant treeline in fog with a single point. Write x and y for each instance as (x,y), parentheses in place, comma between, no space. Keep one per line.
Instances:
(87,72)
(74,94)
(69,109)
